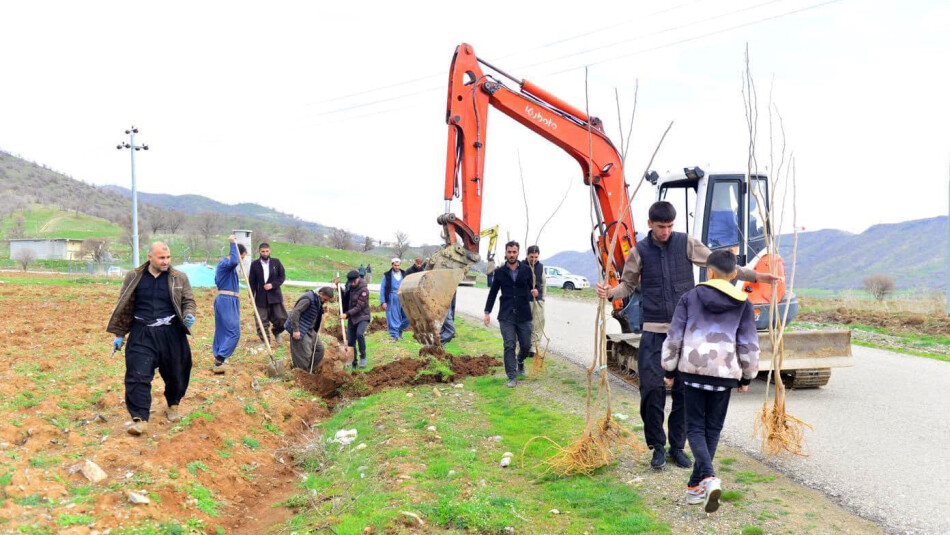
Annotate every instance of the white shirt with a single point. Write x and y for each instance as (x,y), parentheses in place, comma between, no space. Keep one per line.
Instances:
(265,265)
(397,276)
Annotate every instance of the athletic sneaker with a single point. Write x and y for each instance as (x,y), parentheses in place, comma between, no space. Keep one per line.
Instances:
(521,368)
(713,488)
(277,338)
(659,458)
(511,383)
(696,495)
(363,362)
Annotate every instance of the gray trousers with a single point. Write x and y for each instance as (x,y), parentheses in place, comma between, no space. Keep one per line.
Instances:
(303,350)
(515,333)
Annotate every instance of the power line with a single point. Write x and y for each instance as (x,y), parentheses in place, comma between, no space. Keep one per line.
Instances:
(608,45)
(539,47)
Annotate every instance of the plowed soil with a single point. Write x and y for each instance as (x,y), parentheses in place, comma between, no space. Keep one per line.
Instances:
(896,322)
(62,403)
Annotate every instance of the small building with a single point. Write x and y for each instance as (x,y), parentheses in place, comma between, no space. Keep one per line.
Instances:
(48,249)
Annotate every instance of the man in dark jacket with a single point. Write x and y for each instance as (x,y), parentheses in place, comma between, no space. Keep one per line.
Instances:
(266,277)
(515,282)
(416,267)
(537,304)
(356,307)
(661,265)
(303,322)
(156,309)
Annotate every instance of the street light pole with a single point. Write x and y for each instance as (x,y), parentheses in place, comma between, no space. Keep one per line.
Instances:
(135,194)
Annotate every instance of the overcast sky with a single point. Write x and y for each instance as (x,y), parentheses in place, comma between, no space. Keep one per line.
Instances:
(335,111)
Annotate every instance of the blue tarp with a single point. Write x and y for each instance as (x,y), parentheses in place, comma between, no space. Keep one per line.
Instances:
(200,275)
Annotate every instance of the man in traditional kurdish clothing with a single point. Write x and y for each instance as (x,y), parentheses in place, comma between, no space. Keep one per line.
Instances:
(156,309)
(303,322)
(227,306)
(396,319)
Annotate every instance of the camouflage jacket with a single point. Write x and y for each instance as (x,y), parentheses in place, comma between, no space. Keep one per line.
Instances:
(712,339)
(120,323)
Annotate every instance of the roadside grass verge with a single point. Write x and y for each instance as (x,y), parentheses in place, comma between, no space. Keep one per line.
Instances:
(450,476)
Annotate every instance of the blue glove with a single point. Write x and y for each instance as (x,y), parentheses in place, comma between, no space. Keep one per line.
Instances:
(117,343)
(189,320)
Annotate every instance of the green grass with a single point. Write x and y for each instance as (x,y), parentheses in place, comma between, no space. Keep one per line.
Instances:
(731,496)
(752,530)
(251,442)
(455,483)
(194,466)
(746,478)
(206,502)
(73,520)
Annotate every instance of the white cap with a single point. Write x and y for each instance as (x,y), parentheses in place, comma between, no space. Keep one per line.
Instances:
(396,259)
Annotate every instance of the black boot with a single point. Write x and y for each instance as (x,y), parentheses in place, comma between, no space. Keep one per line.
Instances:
(680,458)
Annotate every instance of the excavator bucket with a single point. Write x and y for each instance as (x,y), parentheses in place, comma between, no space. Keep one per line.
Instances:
(426,297)
(829,348)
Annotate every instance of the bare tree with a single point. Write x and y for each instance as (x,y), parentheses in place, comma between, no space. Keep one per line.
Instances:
(879,286)
(156,221)
(207,225)
(25,257)
(18,230)
(402,243)
(175,220)
(368,244)
(341,239)
(126,224)
(429,250)
(296,232)
(96,248)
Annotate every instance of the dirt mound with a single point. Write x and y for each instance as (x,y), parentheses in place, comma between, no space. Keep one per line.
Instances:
(329,381)
(378,323)
(434,351)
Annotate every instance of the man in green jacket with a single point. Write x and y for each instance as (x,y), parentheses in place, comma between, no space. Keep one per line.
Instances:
(156,309)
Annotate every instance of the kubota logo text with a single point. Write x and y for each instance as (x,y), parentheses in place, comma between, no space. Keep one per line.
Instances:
(536,115)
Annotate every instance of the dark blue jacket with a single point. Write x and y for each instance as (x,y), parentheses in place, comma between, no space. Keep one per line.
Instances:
(515,294)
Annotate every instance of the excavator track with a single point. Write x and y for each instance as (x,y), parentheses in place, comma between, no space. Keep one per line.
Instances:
(800,379)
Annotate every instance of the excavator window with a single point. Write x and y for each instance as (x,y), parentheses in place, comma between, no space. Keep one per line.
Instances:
(756,228)
(684,202)
(724,209)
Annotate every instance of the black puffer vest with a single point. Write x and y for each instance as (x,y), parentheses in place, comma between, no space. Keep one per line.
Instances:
(665,275)
(310,317)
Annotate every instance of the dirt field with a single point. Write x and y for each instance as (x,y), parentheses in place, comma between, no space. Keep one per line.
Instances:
(63,404)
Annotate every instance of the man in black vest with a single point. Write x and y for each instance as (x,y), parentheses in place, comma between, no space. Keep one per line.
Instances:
(306,349)
(266,277)
(514,280)
(661,265)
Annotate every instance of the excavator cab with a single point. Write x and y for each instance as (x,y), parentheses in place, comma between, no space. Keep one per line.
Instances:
(722,211)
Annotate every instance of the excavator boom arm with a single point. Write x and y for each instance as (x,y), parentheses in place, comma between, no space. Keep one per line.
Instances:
(471,92)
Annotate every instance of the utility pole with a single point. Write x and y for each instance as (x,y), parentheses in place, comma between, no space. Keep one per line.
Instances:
(133,148)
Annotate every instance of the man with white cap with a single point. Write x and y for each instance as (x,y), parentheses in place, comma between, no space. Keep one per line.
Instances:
(396,319)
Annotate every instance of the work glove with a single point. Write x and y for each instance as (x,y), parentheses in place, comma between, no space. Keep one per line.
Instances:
(117,343)
(189,320)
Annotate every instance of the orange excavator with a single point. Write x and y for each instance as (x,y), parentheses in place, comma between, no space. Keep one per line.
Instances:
(426,296)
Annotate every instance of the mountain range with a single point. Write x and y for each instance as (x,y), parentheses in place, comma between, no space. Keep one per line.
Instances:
(838,260)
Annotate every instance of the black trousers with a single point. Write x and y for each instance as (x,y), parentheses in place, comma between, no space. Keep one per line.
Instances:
(356,337)
(515,333)
(273,316)
(165,348)
(705,416)
(653,396)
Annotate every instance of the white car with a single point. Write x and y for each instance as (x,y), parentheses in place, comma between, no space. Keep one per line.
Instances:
(559,277)
(114,271)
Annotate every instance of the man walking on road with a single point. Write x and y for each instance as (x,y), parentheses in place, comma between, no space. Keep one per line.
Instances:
(227,306)
(514,280)
(661,265)
(537,304)
(266,277)
(156,309)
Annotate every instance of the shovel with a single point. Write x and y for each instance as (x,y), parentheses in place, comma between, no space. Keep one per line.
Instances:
(339,290)
(274,369)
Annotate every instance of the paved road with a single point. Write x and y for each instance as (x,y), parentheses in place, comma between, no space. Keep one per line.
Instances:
(881,444)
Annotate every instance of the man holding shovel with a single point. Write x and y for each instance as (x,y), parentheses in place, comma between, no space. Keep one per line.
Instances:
(227,306)
(355,310)
(304,320)
(156,309)
(265,278)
